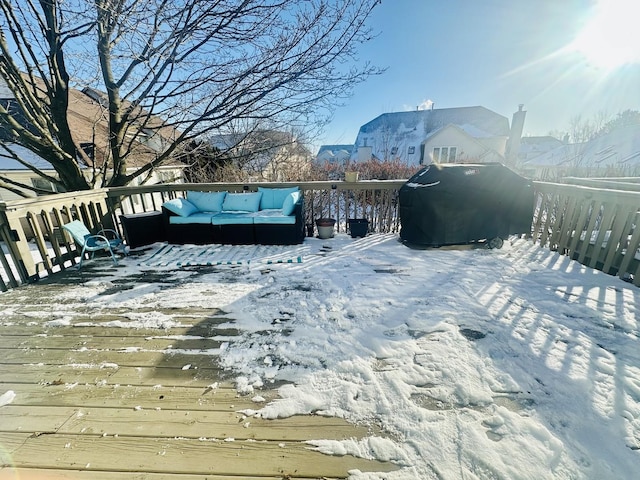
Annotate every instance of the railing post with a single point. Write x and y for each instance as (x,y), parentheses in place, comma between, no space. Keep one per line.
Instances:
(19,247)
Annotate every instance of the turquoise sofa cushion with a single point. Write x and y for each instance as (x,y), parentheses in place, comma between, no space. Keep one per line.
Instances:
(289,204)
(232,218)
(207,201)
(242,202)
(274,197)
(273,217)
(180,206)
(199,217)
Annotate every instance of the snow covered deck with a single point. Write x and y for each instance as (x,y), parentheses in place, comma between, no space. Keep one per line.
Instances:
(366,357)
(109,392)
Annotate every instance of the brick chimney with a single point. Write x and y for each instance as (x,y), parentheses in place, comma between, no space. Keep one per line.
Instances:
(515,135)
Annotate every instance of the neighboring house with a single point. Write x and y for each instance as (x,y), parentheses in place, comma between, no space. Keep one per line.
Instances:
(616,153)
(464,134)
(339,154)
(266,155)
(87,118)
(15,171)
(531,147)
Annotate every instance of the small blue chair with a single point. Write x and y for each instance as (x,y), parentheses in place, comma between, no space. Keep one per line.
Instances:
(91,243)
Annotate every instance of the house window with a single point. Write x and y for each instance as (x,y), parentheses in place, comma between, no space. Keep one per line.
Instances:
(89,149)
(43,184)
(151,139)
(166,177)
(445,154)
(411,150)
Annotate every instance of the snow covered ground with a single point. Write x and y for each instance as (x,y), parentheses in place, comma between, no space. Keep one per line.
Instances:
(478,364)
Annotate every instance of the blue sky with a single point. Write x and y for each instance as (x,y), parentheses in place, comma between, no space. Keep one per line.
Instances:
(497,54)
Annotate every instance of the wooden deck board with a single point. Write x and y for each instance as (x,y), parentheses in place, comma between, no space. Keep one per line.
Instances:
(112,395)
(178,455)
(132,356)
(160,423)
(48,374)
(115,326)
(34,419)
(9,473)
(93,342)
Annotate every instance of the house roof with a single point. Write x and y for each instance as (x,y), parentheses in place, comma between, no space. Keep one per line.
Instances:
(540,140)
(88,119)
(477,121)
(8,163)
(620,147)
(335,148)
(259,147)
(531,147)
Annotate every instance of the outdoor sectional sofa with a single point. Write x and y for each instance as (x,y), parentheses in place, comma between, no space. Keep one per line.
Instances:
(270,216)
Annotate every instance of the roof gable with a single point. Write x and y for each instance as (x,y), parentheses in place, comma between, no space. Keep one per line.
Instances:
(335,148)
(480,119)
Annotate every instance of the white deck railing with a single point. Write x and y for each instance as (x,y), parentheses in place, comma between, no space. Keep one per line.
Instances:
(35,245)
(595,225)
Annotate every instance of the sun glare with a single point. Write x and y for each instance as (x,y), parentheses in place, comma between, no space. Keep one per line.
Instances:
(611,38)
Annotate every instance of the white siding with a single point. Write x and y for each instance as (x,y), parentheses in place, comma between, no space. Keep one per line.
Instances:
(4,90)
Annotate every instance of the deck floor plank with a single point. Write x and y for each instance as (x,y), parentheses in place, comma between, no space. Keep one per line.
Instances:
(181,455)
(109,372)
(133,355)
(115,326)
(94,342)
(103,395)
(34,419)
(169,424)
(9,473)
(51,374)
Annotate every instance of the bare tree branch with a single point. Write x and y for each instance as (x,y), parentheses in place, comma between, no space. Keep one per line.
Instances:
(178,69)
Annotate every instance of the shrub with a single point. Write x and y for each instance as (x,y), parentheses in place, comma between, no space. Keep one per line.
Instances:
(370,170)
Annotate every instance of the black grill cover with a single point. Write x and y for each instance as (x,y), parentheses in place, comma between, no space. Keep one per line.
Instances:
(463,203)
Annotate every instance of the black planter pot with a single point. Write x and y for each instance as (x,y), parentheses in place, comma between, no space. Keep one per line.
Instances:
(358,227)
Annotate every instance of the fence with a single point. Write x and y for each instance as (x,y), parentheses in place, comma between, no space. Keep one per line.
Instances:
(595,225)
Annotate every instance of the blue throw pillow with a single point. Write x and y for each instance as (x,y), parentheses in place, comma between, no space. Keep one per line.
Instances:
(289,204)
(274,197)
(242,202)
(207,201)
(180,206)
